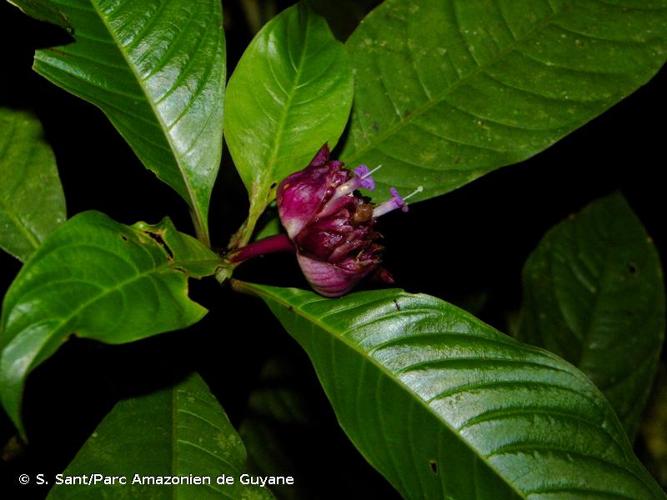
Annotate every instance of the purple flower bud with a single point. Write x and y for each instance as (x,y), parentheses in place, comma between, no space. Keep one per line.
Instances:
(331,226)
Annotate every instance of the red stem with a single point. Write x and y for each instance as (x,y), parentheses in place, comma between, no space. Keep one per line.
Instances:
(272,244)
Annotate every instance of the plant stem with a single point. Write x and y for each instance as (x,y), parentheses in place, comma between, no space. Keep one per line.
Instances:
(240,287)
(200,231)
(258,204)
(272,244)
(253,14)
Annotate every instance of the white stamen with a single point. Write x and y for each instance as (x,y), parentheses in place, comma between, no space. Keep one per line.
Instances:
(416,191)
(371,172)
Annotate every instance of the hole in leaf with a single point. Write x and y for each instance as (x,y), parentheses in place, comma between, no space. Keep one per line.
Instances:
(632,268)
(160,241)
(123,237)
(398,308)
(273,185)
(434,466)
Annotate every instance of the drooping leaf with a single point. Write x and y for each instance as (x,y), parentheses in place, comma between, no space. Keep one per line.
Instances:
(178,431)
(593,294)
(290,93)
(157,70)
(32,203)
(98,279)
(448,90)
(445,406)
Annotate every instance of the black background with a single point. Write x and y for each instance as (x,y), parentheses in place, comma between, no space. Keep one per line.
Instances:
(467,247)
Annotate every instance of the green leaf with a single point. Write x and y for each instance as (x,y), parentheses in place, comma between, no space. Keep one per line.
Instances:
(445,406)
(100,280)
(593,294)
(178,431)
(32,203)
(157,70)
(290,93)
(448,90)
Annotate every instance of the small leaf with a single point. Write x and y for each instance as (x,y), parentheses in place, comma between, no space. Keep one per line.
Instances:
(157,70)
(593,294)
(290,93)
(449,90)
(32,203)
(178,431)
(101,280)
(445,406)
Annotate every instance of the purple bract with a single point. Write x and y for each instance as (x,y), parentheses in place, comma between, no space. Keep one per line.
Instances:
(331,225)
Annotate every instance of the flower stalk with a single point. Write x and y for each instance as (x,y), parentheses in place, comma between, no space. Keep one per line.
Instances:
(272,244)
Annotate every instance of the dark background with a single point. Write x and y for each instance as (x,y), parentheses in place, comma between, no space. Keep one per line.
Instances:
(467,247)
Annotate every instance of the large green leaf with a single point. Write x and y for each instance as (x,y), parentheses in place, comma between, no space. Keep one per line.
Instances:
(101,280)
(32,203)
(593,294)
(448,90)
(445,406)
(290,93)
(157,70)
(178,431)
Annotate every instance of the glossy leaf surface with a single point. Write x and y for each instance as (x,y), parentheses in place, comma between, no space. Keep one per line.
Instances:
(32,203)
(445,406)
(448,90)
(157,70)
(178,431)
(593,294)
(290,93)
(98,279)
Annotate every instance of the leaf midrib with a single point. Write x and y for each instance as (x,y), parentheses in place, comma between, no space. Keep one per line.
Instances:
(297,309)
(587,334)
(58,329)
(121,50)
(439,97)
(30,236)
(277,143)
(384,371)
